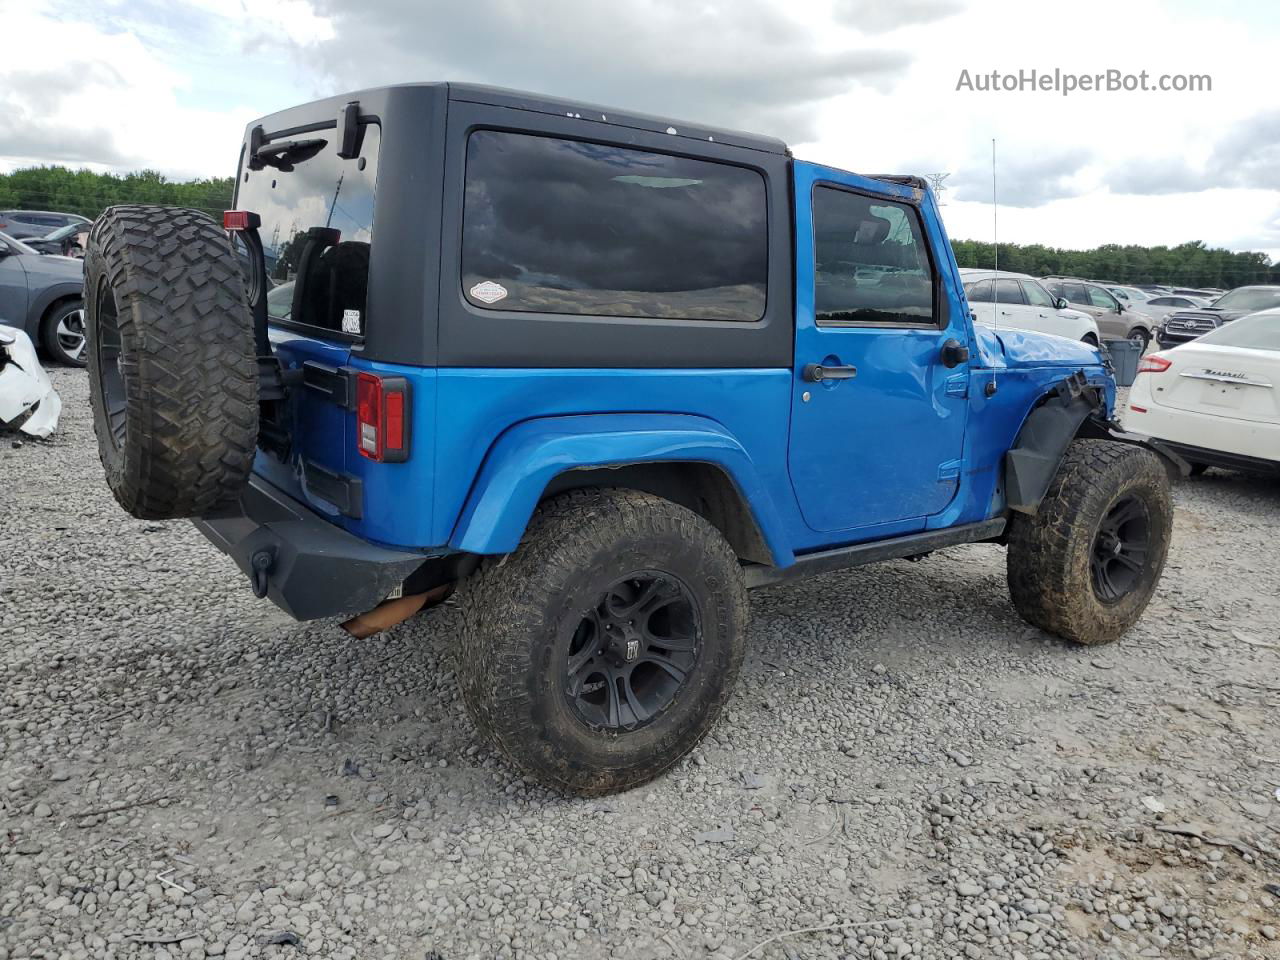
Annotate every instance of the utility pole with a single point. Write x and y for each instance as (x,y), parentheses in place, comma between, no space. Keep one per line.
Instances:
(336,190)
(937,181)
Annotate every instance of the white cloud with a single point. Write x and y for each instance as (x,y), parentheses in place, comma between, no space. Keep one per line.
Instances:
(170,84)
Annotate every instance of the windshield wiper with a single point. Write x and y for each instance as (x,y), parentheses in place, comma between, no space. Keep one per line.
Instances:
(284,154)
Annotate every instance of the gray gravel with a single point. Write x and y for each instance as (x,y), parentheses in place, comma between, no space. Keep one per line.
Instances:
(184,772)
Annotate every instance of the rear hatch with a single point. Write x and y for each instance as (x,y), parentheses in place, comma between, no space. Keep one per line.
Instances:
(1227,382)
(317,212)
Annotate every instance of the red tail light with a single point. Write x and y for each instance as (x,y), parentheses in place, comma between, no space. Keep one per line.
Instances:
(240,220)
(382,418)
(1154,364)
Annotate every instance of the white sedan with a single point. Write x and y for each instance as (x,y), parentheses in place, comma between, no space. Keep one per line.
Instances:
(1215,400)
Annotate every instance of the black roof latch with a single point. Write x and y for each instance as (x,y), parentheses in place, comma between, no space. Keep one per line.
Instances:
(350,131)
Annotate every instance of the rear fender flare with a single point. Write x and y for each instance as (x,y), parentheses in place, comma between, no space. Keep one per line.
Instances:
(525,459)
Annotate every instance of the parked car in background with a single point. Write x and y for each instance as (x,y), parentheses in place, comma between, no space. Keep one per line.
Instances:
(1115,320)
(1154,288)
(1018,300)
(41,295)
(1216,401)
(68,241)
(1196,292)
(1184,325)
(1131,296)
(21,224)
(1160,307)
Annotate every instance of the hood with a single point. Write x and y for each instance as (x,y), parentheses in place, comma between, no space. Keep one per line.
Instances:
(1073,314)
(1023,348)
(52,269)
(1215,314)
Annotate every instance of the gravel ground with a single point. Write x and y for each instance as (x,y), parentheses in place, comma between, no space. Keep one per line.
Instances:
(184,772)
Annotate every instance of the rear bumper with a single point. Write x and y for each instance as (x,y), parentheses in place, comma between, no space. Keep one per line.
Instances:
(1236,444)
(1228,461)
(316,569)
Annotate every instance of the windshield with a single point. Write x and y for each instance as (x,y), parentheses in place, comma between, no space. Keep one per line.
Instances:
(66,231)
(1249,298)
(1261,331)
(327,202)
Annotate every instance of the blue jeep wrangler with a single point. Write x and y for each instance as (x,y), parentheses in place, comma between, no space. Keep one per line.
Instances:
(602,373)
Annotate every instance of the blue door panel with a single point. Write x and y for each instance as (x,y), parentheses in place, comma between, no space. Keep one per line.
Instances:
(880,453)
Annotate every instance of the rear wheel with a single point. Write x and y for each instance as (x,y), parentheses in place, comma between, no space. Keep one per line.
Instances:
(62,334)
(1142,336)
(603,649)
(1085,565)
(173,379)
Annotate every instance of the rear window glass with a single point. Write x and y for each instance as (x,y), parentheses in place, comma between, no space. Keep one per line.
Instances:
(1259,332)
(324,201)
(563,226)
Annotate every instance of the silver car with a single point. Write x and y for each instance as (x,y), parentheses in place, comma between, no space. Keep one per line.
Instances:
(1161,307)
(1115,320)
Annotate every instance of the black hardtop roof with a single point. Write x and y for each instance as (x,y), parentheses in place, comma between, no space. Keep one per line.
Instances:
(578,109)
(537,103)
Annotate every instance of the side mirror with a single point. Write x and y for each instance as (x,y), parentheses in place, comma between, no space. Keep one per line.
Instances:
(1119,307)
(1060,303)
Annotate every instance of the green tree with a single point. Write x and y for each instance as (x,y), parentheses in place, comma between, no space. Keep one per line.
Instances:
(88,193)
(1189,264)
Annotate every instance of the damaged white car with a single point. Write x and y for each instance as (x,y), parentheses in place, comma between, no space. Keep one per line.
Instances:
(27,398)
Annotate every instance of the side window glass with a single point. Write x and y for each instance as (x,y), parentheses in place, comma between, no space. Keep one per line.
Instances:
(979,292)
(1075,292)
(871,261)
(566,226)
(1008,291)
(1101,299)
(1037,296)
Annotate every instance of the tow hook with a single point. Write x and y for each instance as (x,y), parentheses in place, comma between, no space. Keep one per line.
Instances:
(260,571)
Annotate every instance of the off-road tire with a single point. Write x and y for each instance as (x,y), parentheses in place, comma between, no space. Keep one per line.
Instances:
(186,366)
(519,614)
(1050,576)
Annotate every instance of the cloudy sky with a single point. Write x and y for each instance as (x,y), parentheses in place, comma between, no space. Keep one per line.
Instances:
(867,85)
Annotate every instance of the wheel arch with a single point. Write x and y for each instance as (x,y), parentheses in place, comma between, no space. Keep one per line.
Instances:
(689,460)
(49,300)
(1073,409)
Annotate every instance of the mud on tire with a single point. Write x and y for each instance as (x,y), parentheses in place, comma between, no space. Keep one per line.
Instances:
(172,374)
(1085,565)
(523,630)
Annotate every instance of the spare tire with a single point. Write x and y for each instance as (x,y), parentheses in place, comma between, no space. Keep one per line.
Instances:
(173,378)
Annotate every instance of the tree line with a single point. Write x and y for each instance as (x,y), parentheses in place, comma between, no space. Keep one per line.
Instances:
(88,193)
(1188,264)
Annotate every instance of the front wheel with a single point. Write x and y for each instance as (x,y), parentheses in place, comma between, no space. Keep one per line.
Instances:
(1085,565)
(603,649)
(63,336)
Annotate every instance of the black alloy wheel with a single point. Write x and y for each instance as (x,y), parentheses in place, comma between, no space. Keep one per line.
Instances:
(110,360)
(1121,549)
(633,652)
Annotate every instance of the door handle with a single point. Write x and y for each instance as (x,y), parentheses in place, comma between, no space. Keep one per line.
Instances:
(816,373)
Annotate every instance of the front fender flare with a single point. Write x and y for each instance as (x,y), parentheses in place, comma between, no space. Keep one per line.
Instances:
(1072,410)
(528,456)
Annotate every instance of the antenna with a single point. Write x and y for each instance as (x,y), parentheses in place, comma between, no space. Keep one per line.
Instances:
(995,240)
(995,207)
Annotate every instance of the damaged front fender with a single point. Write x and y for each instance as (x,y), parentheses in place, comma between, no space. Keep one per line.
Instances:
(27,398)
